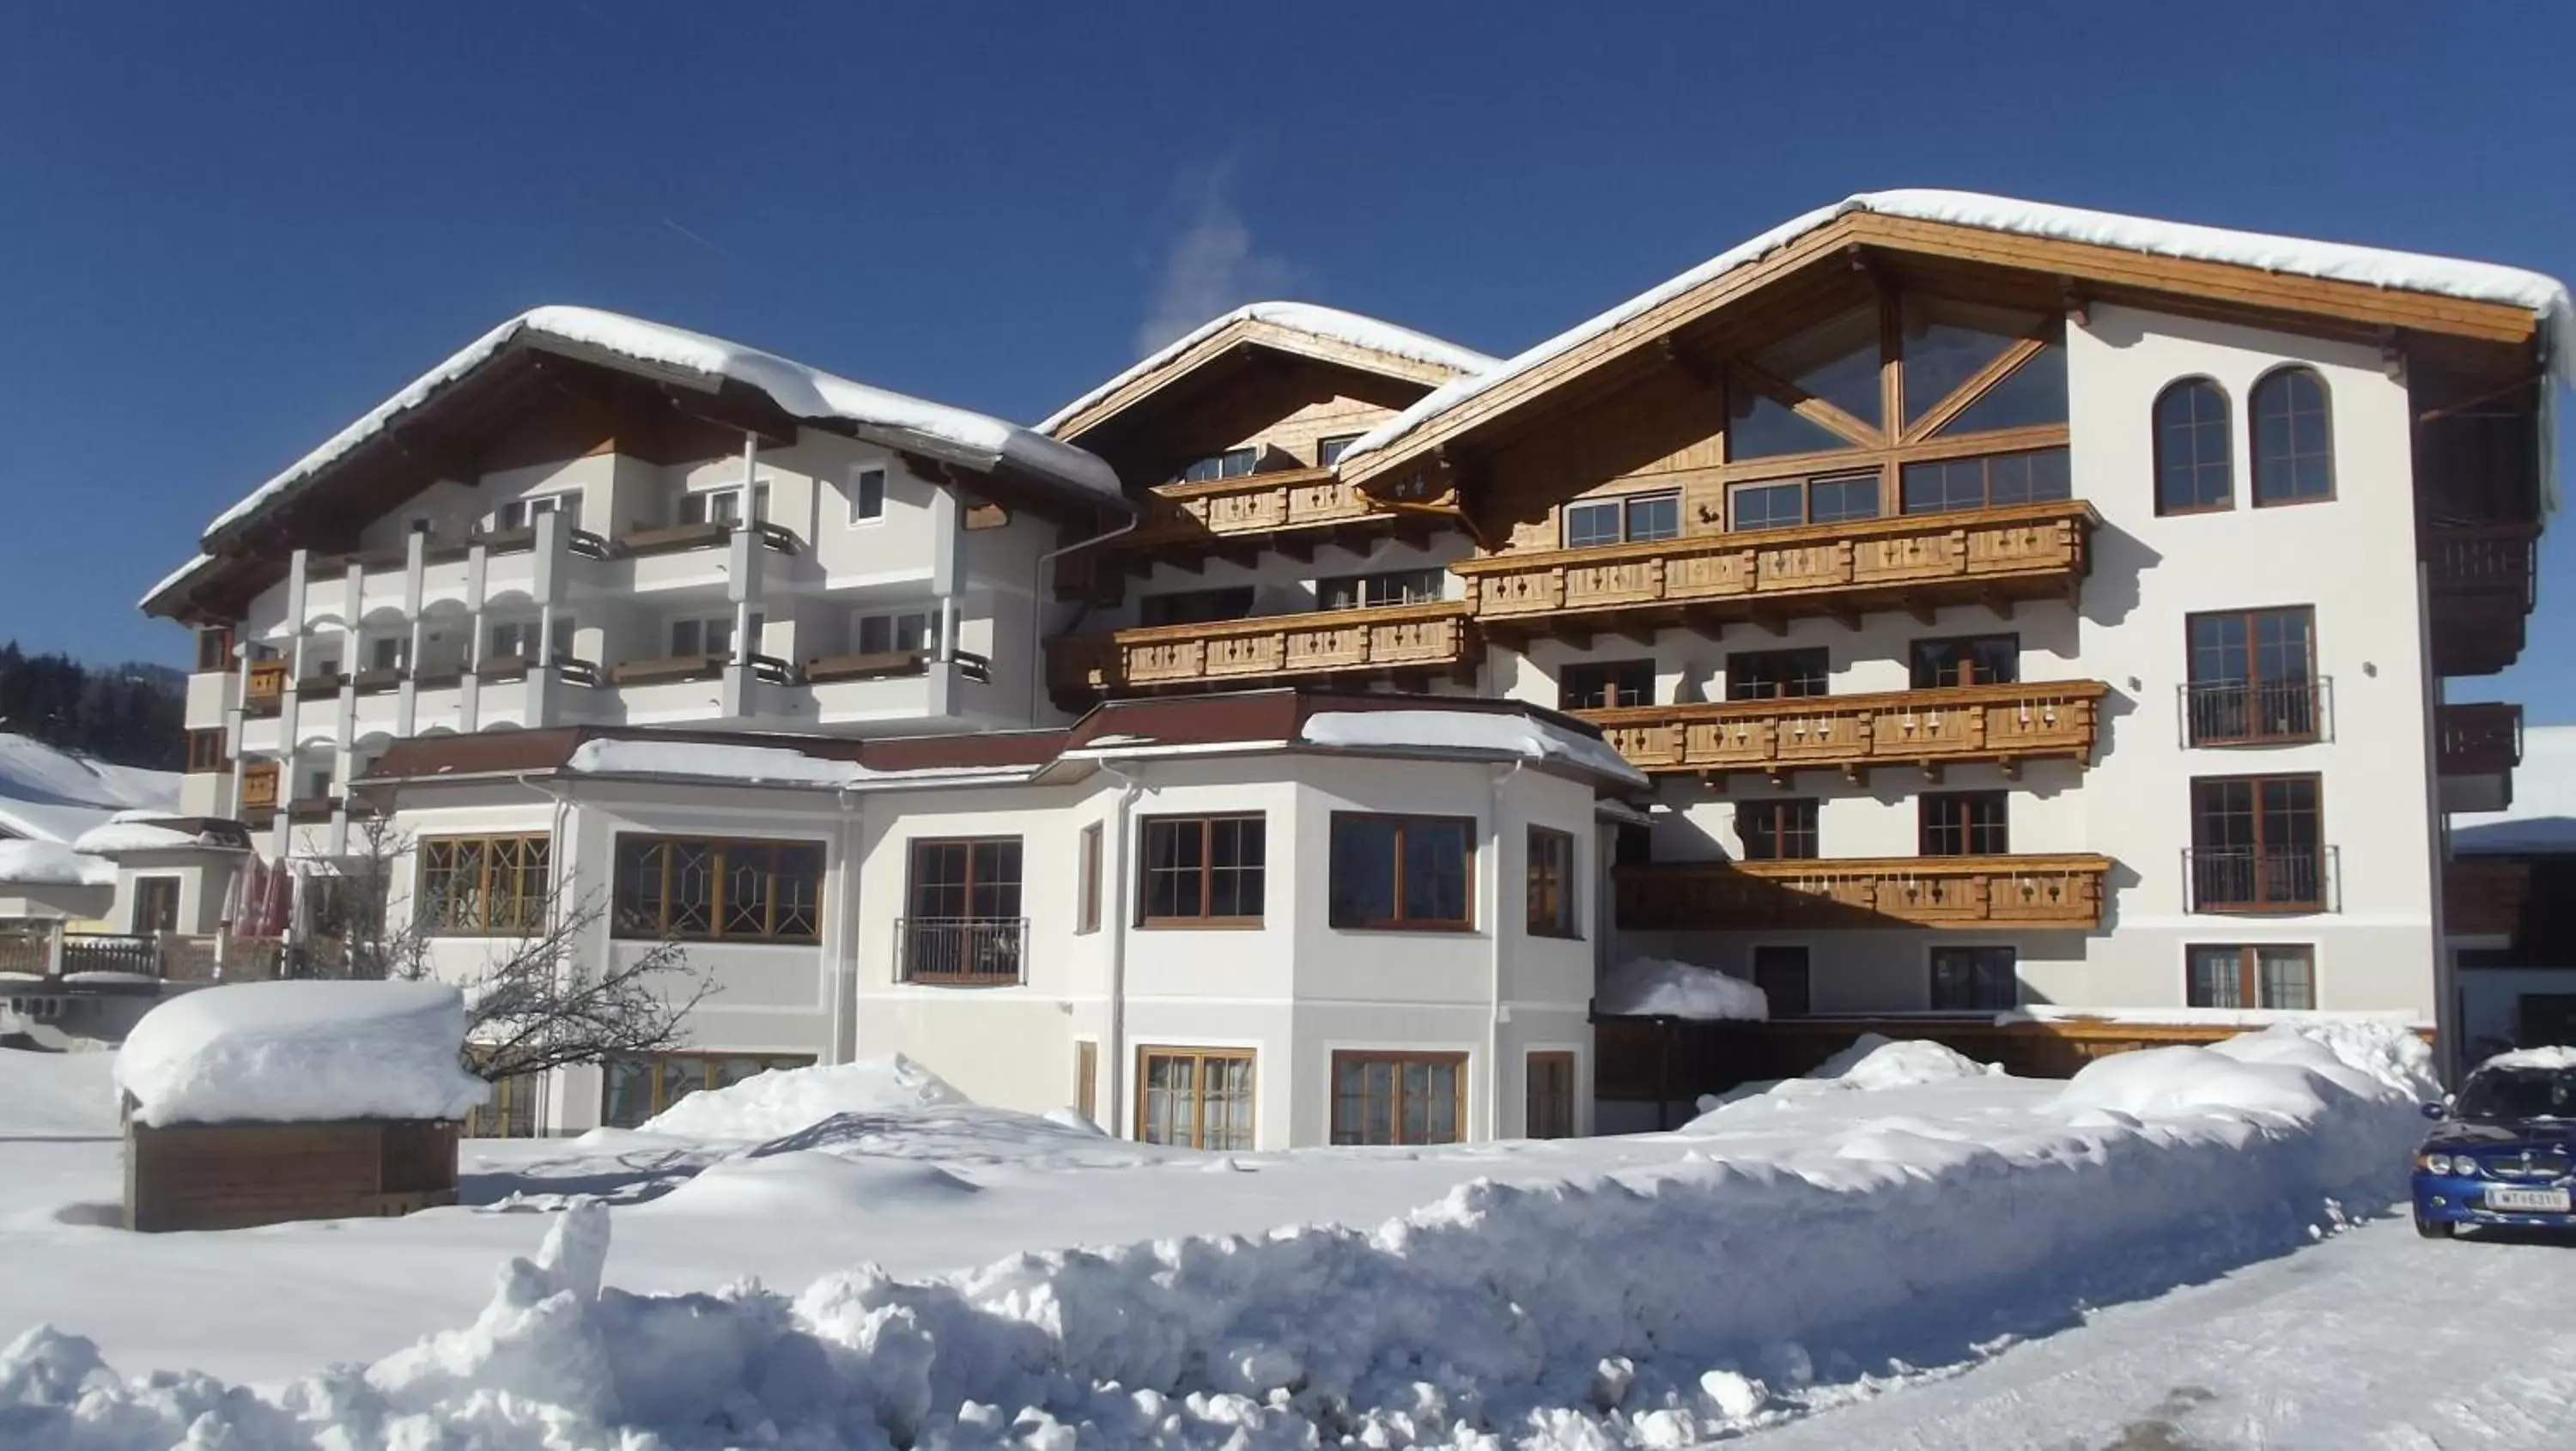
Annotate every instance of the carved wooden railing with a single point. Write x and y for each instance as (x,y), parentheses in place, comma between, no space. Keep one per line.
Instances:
(1976,891)
(2478,738)
(1252,504)
(2483,896)
(1996,551)
(1431,635)
(2502,559)
(2003,723)
(259,787)
(265,688)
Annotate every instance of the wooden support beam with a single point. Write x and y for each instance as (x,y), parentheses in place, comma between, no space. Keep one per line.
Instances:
(1773,625)
(1849,619)
(1707,627)
(1641,631)
(2011,767)
(1923,613)
(1997,601)
(1697,369)
(1412,533)
(1298,547)
(1578,636)
(1714,780)
(1932,772)
(1855,773)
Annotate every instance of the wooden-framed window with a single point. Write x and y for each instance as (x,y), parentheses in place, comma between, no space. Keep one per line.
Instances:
(1785,503)
(1605,684)
(2195,456)
(1388,587)
(2255,975)
(206,750)
(1198,1098)
(964,925)
(1965,660)
(1328,449)
(1551,883)
(156,904)
(215,648)
(2293,439)
(1402,872)
(1963,823)
(2258,844)
(516,1109)
(1086,1078)
(1780,969)
(1234,463)
(1777,674)
(636,1086)
(1195,606)
(1548,1094)
(1778,830)
(484,886)
(867,495)
(2252,676)
(1975,979)
(1202,871)
(1401,1097)
(1989,481)
(1086,912)
(707,889)
(1627,519)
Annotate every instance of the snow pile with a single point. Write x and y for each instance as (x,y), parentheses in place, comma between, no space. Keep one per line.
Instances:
(290,1052)
(1874,1063)
(1527,737)
(1661,1307)
(2294,256)
(51,864)
(784,1100)
(57,1095)
(1656,987)
(50,794)
(131,831)
(2551,1057)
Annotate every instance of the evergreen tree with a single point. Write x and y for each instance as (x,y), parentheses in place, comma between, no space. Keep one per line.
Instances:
(129,714)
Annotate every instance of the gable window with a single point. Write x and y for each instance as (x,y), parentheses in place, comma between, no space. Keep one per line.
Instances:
(1628,519)
(1606,685)
(1991,481)
(2265,975)
(2194,456)
(707,890)
(1234,463)
(483,886)
(1970,368)
(2257,844)
(1195,606)
(1197,1098)
(1962,823)
(867,496)
(1780,970)
(206,750)
(964,926)
(1404,872)
(1399,1098)
(2252,677)
(1975,979)
(1202,870)
(1551,883)
(1328,451)
(2293,439)
(1818,389)
(215,648)
(886,631)
(1392,587)
(1965,660)
(722,506)
(1775,674)
(1778,830)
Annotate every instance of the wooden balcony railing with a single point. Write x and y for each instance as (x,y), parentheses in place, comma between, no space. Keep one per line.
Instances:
(1916,561)
(1434,635)
(2482,559)
(266,687)
(259,787)
(1252,504)
(2478,738)
(2483,896)
(2007,724)
(1972,891)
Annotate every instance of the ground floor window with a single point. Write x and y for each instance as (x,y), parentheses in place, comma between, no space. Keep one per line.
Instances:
(1086,1079)
(1199,1098)
(517,1110)
(2268,975)
(1975,979)
(1550,1111)
(1781,972)
(636,1087)
(1399,1098)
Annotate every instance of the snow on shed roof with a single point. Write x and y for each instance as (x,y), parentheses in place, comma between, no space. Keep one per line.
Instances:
(803,392)
(2543,815)
(2545,296)
(50,794)
(1304,317)
(300,1052)
(51,864)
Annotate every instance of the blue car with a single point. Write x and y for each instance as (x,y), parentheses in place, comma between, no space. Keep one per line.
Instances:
(2500,1150)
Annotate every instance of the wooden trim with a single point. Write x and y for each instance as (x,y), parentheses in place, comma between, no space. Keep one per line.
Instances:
(1400,922)
(2028,439)
(1430,635)
(1807,405)
(1985,380)
(2051,512)
(2249,974)
(1984,893)
(526,918)
(720,874)
(1568,897)
(1251,332)
(1198,1088)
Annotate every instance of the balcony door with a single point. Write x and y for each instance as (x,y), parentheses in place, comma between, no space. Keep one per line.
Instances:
(963,905)
(2257,844)
(2253,677)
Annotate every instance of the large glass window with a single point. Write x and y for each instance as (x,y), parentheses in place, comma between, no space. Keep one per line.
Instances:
(1785,503)
(1195,606)
(1551,883)
(1778,830)
(1965,660)
(1975,979)
(1198,1098)
(1630,518)
(1991,481)
(2194,456)
(1399,1098)
(964,923)
(719,890)
(2264,975)
(2257,844)
(1401,871)
(1773,674)
(637,1086)
(484,886)
(2252,676)
(1963,823)
(2293,439)
(1202,869)
(1234,463)
(1605,685)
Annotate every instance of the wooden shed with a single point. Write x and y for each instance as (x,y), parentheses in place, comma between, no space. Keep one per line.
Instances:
(235,1175)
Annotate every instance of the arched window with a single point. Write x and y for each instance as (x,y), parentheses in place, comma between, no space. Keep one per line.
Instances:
(2194,468)
(2293,438)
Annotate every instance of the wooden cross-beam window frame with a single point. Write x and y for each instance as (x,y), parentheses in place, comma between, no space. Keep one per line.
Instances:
(1220,1098)
(485,886)
(782,903)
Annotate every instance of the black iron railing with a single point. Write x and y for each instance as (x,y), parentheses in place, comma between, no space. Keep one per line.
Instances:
(2254,712)
(2272,879)
(962,951)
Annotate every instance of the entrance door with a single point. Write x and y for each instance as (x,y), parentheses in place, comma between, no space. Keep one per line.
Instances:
(156,904)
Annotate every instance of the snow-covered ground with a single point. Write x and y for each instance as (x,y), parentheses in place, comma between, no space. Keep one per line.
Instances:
(49,794)
(1772,1269)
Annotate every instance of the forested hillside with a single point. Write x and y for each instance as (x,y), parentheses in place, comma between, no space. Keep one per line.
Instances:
(129,714)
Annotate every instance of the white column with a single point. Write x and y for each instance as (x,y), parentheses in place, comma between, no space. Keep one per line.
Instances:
(469,691)
(415,590)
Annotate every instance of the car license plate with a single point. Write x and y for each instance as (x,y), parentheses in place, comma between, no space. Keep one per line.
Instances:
(2546,1201)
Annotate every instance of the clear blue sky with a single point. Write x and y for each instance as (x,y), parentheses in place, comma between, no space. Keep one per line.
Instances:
(227,230)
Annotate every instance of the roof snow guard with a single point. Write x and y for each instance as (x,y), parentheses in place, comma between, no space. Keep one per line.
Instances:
(2545,297)
(950,435)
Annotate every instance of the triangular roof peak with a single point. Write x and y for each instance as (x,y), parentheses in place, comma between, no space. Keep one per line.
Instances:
(1305,329)
(2395,289)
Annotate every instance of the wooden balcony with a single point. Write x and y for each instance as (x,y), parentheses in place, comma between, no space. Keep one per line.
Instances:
(1880,892)
(2480,738)
(1916,562)
(266,687)
(1431,636)
(2001,724)
(1293,511)
(259,787)
(2483,896)
(2479,579)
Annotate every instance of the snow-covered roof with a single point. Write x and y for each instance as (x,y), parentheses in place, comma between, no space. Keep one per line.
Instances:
(49,794)
(2553,1057)
(300,1052)
(757,765)
(132,831)
(1456,731)
(1303,317)
(953,434)
(1656,987)
(2543,815)
(2545,296)
(51,864)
